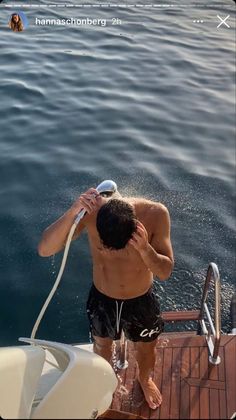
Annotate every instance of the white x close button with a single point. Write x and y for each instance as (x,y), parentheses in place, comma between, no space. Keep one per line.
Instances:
(223,21)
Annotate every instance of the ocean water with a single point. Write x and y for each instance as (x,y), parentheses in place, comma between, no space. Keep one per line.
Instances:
(147,101)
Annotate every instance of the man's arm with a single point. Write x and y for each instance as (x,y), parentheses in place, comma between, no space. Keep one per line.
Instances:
(158,254)
(54,237)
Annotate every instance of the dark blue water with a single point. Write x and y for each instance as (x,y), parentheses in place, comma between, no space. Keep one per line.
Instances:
(148,103)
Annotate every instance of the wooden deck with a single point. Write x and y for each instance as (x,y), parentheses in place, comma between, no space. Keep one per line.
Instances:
(190,386)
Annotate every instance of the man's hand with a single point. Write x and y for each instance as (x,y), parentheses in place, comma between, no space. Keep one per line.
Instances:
(90,201)
(158,262)
(139,238)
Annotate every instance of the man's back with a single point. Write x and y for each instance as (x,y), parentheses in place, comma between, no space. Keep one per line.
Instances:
(122,274)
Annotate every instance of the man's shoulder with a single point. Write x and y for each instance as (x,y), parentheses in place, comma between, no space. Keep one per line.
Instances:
(151,207)
(147,203)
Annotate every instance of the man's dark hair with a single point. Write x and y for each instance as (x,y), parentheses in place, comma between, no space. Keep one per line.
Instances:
(116,223)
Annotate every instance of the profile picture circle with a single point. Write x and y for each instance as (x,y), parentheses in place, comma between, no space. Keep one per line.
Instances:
(18,22)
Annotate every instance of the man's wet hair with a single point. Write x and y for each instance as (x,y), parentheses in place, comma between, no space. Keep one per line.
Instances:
(116,223)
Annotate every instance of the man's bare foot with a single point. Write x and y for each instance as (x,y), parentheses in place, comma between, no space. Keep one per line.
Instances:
(151,393)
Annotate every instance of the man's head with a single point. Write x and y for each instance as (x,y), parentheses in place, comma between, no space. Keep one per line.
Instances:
(116,223)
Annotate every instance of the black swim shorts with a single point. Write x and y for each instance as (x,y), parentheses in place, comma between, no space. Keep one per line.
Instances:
(139,317)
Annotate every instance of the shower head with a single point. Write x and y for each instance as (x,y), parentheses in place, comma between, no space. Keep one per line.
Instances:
(107,188)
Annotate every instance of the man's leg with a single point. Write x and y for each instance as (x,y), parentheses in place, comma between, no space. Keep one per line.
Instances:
(103,347)
(146,360)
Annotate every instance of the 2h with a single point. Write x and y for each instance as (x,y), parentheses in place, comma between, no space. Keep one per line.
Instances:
(116,21)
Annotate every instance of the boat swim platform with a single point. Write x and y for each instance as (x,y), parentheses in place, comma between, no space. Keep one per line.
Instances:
(191,387)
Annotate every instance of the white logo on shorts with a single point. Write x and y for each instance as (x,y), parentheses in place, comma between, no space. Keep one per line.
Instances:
(148,333)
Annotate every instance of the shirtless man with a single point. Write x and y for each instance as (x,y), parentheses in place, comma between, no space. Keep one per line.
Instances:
(130,244)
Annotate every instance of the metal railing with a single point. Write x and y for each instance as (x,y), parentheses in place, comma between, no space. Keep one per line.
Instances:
(214,328)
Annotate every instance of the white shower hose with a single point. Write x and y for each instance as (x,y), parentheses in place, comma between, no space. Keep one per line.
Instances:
(55,286)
